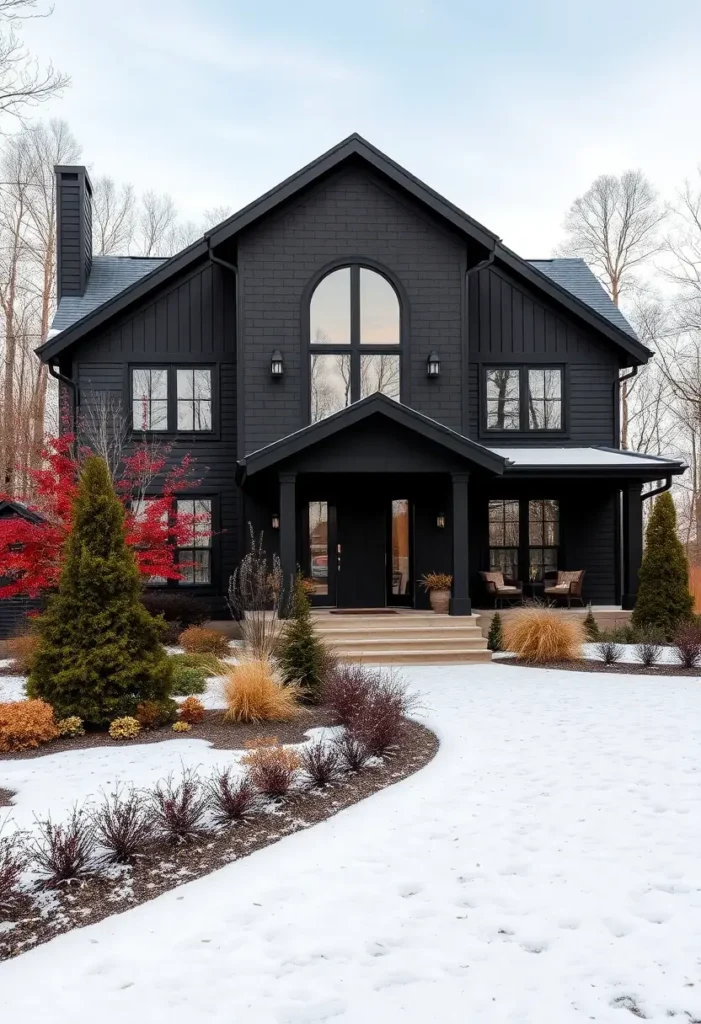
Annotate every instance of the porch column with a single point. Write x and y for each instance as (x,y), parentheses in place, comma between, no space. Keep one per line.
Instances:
(288,528)
(632,536)
(460,600)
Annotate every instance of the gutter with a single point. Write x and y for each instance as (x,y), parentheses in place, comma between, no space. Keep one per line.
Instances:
(71,384)
(666,486)
(484,263)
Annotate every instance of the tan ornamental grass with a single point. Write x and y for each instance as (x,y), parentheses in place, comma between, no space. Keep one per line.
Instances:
(543,636)
(255,691)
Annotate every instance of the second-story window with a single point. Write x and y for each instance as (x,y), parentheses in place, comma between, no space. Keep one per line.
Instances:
(149,399)
(523,398)
(172,398)
(354,325)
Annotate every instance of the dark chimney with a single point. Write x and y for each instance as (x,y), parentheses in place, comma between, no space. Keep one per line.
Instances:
(73,230)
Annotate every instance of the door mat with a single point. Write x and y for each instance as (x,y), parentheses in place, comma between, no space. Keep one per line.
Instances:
(363,611)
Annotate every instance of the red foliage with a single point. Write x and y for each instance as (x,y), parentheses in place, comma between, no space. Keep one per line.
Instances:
(31,554)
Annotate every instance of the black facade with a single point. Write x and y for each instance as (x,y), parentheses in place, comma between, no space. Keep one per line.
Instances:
(241,299)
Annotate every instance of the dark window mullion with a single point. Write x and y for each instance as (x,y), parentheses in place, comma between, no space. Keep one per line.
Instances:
(355,333)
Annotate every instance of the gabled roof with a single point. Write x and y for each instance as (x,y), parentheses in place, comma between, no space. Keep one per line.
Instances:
(570,286)
(575,276)
(8,507)
(109,276)
(375,404)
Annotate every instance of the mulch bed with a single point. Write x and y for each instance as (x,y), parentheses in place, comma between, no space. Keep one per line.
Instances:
(620,668)
(222,735)
(166,867)
(6,797)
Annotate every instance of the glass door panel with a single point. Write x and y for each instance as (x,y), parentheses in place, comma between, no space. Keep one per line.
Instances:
(318,569)
(400,587)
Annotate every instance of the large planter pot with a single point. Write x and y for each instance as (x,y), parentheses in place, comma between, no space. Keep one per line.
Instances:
(267,616)
(440,601)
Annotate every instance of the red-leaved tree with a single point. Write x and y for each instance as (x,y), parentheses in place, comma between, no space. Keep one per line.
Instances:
(31,554)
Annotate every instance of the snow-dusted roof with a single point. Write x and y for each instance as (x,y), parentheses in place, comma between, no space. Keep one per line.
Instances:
(585,458)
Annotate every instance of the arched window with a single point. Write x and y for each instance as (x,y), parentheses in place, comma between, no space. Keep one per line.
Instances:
(354,323)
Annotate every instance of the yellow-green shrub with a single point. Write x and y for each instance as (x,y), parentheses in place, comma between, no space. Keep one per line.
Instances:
(542,635)
(198,640)
(181,726)
(126,728)
(25,724)
(71,726)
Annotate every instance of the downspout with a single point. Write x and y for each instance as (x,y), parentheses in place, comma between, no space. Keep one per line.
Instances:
(484,263)
(666,486)
(71,384)
(617,396)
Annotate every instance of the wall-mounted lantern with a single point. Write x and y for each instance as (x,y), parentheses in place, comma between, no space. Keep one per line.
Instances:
(440,520)
(433,365)
(275,521)
(277,367)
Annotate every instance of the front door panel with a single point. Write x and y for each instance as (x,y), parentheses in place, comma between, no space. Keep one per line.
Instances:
(362,547)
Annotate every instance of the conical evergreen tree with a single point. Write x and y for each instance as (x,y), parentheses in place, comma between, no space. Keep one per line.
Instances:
(591,626)
(100,652)
(301,653)
(495,636)
(663,600)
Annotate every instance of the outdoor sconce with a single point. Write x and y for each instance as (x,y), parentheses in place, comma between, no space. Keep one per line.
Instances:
(433,365)
(440,521)
(277,367)
(276,521)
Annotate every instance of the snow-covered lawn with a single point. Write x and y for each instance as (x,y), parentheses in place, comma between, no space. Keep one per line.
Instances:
(543,869)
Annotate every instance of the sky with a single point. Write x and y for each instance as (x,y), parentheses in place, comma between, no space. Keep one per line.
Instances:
(509,108)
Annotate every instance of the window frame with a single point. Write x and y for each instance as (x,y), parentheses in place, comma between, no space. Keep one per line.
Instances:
(355,349)
(214,543)
(182,584)
(523,559)
(505,547)
(524,429)
(172,366)
(543,547)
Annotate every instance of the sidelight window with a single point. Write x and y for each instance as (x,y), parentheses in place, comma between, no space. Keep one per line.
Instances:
(354,322)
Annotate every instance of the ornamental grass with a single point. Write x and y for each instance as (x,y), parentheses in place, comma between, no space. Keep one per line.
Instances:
(543,636)
(255,691)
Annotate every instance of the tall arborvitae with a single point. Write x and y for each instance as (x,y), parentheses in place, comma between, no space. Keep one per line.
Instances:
(663,600)
(100,652)
(301,652)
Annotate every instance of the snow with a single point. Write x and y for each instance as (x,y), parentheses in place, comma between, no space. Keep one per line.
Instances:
(668,655)
(542,868)
(12,688)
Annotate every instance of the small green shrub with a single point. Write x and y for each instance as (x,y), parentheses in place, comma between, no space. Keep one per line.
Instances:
(591,626)
(126,728)
(189,680)
(495,637)
(301,651)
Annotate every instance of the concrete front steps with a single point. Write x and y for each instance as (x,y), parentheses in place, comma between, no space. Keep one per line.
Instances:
(406,638)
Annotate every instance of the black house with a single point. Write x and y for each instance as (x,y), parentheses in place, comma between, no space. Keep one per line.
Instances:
(375,381)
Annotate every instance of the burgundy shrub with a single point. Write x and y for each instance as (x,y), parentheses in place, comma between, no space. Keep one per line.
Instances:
(13,857)
(320,763)
(380,724)
(65,853)
(231,798)
(353,755)
(180,809)
(124,825)
(687,644)
(347,689)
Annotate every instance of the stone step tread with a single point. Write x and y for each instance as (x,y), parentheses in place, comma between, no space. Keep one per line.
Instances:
(416,641)
(423,657)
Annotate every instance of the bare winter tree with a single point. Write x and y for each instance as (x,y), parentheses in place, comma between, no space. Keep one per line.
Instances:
(156,221)
(113,212)
(684,244)
(23,82)
(615,227)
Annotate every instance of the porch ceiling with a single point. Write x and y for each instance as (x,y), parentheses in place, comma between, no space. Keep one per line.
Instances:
(422,427)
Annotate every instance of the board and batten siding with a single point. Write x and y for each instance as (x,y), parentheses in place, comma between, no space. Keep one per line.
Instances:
(510,323)
(189,320)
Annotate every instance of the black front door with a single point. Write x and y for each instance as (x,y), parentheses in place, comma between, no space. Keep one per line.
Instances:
(362,552)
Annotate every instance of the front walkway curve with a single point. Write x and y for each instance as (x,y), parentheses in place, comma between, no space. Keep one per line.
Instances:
(543,868)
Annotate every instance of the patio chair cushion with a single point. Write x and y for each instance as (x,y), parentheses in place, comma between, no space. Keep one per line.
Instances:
(497,578)
(560,588)
(508,590)
(565,578)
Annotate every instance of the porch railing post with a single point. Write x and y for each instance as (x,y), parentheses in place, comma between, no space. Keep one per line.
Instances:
(288,528)
(460,599)
(632,543)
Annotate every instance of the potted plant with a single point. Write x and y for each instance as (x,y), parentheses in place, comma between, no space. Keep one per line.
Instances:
(438,585)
